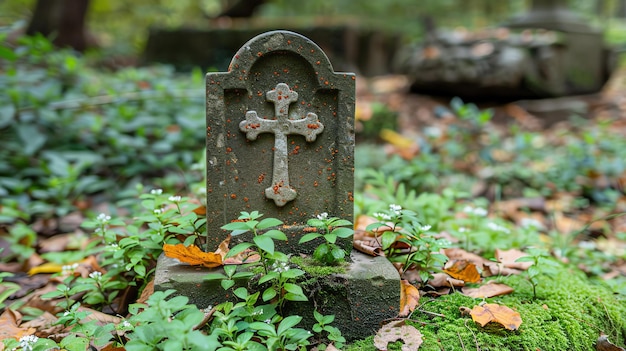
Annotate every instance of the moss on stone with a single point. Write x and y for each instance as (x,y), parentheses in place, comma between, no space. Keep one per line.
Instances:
(569,313)
(316,269)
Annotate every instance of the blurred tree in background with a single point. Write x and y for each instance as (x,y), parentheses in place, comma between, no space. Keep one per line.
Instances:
(120,28)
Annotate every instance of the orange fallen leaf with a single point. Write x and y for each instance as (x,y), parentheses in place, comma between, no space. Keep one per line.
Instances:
(463,270)
(490,289)
(193,255)
(491,312)
(409,298)
(9,321)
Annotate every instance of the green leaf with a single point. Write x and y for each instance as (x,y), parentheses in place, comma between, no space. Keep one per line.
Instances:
(264,243)
(330,238)
(241,293)
(342,223)
(214,276)
(227,284)
(343,232)
(293,288)
(269,222)
(288,323)
(314,222)
(387,239)
(236,226)
(263,328)
(292,273)
(269,276)
(276,234)
(239,248)
(308,237)
(269,294)
(338,253)
(526,259)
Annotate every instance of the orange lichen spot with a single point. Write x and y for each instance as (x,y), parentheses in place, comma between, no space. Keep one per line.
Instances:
(312,51)
(233,196)
(312,125)
(286,70)
(228,162)
(350,196)
(245,199)
(318,62)
(326,83)
(315,184)
(288,42)
(236,56)
(229,149)
(236,178)
(259,54)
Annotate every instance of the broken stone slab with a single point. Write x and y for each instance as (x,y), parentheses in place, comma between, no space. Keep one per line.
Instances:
(361,298)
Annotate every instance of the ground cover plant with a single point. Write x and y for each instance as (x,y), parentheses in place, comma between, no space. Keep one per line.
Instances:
(99,171)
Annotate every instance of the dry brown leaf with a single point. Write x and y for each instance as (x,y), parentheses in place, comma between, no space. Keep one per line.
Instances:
(443,280)
(45,325)
(193,255)
(491,312)
(603,344)
(147,292)
(409,298)
(393,331)
(463,270)
(490,289)
(456,254)
(9,325)
(508,257)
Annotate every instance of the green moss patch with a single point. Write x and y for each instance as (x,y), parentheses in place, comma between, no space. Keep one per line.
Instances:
(316,269)
(569,313)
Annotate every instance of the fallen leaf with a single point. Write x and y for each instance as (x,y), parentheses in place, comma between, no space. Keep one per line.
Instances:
(147,292)
(193,255)
(443,280)
(490,289)
(463,270)
(409,298)
(491,312)
(603,344)
(508,257)
(9,325)
(392,332)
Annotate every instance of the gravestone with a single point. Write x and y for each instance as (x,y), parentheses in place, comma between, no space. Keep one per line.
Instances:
(280,138)
(280,141)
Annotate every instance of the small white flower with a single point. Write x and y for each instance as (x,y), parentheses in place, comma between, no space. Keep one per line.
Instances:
(66,313)
(382,216)
(425,228)
(126,324)
(95,275)
(156,191)
(176,198)
(268,321)
(531,223)
(103,218)
(480,212)
(322,216)
(26,342)
(158,211)
(498,228)
(463,230)
(395,209)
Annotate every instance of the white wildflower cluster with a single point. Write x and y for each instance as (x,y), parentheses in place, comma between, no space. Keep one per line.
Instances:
(463,230)
(158,211)
(156,191)
(498,228)
(425,228)
(95,275)
(113,247)
(476,211)
(530,223)
(69,268)
(395,209)
(322,216)
(382,216)
(280,266)
(175,198)
(103,218)
(27,342)
(125,325)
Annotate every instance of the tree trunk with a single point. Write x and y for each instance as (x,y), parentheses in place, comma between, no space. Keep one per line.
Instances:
(63,21)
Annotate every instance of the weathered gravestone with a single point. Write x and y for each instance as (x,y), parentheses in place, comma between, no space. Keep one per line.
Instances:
(280,137)
(280,141)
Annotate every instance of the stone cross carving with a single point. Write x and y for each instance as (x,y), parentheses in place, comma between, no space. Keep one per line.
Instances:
(282,96)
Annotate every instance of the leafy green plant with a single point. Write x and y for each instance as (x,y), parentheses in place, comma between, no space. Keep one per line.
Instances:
(7,288)
(542,264)
(329,229)
(275,264)
(404,240)
(167,324)
(333,334)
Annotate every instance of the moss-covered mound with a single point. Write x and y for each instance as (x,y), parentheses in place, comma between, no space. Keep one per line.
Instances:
(569,313)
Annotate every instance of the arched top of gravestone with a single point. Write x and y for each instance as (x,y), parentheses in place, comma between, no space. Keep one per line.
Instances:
(298,55)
